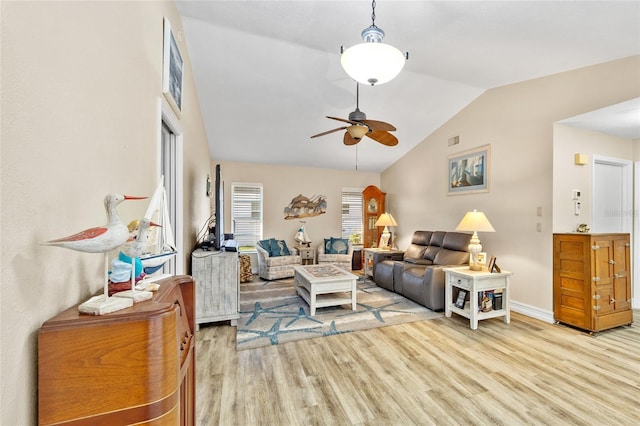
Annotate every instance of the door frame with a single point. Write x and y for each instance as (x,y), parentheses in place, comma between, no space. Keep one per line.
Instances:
(168,116)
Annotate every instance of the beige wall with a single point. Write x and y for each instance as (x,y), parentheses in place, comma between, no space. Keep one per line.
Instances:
(282,183)
(517,121)
(567,142)
(81,89)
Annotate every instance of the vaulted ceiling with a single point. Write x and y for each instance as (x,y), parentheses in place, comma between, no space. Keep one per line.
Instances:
(268,72)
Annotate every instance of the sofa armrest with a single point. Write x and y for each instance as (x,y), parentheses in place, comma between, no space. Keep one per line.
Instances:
(381,256)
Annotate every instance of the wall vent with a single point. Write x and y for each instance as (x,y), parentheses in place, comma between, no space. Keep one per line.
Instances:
(454,140)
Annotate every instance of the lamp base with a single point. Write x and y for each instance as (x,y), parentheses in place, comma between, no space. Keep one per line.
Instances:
(475,267)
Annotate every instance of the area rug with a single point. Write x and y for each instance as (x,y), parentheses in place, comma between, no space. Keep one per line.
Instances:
(271,313)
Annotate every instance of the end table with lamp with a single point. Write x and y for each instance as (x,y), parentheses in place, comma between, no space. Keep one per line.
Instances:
(475,222)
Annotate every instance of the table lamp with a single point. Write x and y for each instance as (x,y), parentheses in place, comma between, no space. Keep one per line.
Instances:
(386,220)
(475,221)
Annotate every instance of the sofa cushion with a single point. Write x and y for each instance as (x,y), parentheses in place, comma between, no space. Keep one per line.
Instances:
(336,246)
(418,261)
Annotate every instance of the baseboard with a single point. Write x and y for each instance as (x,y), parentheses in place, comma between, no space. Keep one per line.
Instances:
(532,311)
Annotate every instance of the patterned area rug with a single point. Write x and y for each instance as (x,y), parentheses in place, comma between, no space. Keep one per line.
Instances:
(271,312)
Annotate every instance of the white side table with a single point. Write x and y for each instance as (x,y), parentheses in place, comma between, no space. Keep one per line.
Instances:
(307,255)
(474,282)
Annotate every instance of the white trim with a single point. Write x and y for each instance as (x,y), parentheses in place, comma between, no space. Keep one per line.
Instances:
(532,311)
(166,114)
(635,253)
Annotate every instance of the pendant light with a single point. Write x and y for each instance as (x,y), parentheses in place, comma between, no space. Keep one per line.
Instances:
(373,62)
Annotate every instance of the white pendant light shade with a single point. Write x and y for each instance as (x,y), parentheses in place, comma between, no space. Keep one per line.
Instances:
(372,63)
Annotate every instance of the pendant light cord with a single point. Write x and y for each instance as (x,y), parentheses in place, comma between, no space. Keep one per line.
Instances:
(373,14)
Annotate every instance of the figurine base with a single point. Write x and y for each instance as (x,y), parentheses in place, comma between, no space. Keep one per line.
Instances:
(134,296)
(97,305)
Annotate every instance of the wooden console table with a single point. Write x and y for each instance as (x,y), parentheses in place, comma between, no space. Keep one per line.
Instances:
(136,365)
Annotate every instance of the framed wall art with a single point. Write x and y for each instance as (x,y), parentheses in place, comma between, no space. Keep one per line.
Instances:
(469,171)
(172,69)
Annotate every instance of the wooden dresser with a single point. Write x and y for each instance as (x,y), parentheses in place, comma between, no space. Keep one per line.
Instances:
(136,365)
(592,280)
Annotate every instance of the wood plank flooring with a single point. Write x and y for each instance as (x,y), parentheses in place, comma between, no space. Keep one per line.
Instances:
(436,372)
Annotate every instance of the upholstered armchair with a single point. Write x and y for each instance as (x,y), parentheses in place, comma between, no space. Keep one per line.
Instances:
(275,259)
(338,251)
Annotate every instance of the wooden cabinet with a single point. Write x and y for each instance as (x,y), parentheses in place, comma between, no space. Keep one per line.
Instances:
(136,365)
(217,285)
(592,280)
(372,206)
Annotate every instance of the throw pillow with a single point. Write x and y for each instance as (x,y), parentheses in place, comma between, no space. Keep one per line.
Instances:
(279,248)
(266,244)
(339,246)
(327,245)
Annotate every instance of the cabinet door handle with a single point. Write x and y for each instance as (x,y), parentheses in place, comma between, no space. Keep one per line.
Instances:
(612,300)
(612,262)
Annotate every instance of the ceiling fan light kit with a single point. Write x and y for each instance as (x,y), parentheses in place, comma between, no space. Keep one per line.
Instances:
(359,126)
(373,62)
(357,131)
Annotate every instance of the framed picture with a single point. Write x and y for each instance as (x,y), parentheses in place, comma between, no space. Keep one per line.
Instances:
(493,266)
(482,258)
(492,263)
(462,297)
(172,69)
(469,171)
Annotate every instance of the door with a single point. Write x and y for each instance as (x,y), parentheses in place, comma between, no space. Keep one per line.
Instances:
(612,195)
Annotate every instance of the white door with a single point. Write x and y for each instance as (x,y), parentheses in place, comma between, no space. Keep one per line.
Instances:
(612,206)
(612,195)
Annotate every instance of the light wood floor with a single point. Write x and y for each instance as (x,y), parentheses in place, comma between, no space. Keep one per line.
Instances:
(431,372)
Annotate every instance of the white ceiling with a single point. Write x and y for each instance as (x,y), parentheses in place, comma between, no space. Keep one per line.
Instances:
(268,72)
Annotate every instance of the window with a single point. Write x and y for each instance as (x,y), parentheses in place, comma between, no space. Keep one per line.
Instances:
(246,214)
(352,213)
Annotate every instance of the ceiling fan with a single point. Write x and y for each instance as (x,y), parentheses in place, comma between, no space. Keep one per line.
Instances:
(359,126)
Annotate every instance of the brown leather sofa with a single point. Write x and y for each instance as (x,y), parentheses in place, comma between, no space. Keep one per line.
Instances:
(419,276)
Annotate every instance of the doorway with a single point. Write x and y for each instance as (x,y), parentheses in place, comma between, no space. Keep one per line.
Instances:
(612,209)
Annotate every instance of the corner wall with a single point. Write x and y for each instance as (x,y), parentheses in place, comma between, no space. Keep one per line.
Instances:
(81,87)
(517,121)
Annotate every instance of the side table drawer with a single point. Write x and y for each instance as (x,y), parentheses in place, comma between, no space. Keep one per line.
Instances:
(460,282)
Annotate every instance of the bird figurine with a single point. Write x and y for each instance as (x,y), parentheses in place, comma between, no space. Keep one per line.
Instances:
(138,246)
(132,250)
(101,239)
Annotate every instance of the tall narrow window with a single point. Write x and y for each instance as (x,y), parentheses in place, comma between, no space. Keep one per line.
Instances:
(168,168)
(352,213)
(246,214)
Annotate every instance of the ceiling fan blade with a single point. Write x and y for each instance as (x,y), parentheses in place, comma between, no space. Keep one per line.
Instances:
(383,137)
(349,140)
(329,131)
(344,120)
(379,125)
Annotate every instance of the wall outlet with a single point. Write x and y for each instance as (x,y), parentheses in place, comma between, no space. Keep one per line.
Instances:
(576,208)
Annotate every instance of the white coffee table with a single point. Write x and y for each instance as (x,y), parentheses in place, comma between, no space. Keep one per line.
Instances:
(318,285)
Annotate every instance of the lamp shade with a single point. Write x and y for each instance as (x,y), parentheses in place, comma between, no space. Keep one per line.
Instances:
(386,219)
(357,131)
(475,221)
(372,62)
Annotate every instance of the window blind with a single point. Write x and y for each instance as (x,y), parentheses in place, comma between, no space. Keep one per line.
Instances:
(351,212)
(246,213)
